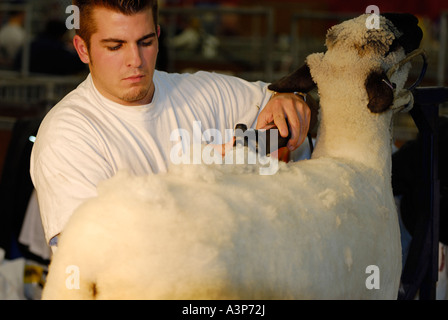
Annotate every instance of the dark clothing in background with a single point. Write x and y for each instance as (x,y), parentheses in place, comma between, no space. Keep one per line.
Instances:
(49,53)
(407,179)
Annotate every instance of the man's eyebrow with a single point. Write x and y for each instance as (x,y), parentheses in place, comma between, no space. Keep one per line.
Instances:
(151,35)
(112,40)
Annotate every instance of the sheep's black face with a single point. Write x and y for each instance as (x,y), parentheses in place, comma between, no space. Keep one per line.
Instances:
(407,35)
(410,34)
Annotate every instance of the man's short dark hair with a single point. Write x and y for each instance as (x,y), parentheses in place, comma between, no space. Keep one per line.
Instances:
(87,25)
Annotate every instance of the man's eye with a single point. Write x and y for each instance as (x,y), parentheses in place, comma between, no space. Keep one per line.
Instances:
(147,44)
(114,48)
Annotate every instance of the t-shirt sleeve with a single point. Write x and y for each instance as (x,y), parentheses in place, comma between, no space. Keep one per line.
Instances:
(238,100)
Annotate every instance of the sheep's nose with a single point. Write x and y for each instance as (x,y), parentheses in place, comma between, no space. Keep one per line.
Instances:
(407,24)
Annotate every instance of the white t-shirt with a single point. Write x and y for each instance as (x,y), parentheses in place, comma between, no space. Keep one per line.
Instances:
(87,138)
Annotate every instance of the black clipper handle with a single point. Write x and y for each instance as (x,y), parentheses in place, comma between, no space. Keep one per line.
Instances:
(261,140)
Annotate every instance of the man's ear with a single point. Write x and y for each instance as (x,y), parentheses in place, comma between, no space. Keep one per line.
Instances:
(81,48)
(379,91)
(158,31)
(300,80)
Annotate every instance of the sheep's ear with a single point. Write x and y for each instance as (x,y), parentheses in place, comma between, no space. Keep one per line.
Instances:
(300,80)
(381,95)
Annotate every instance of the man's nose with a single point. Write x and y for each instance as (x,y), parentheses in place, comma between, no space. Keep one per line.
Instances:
(134,58)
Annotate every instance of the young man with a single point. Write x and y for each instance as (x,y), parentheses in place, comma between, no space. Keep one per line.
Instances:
(123,115)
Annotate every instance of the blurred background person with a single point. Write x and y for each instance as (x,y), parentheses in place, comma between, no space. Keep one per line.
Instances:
(12,37)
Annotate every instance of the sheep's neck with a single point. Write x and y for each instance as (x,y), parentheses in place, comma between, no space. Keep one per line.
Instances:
(363,137)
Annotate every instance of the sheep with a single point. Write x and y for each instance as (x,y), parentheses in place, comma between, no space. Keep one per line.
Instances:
(324,228)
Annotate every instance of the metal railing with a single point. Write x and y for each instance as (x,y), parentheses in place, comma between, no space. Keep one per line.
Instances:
(36,89)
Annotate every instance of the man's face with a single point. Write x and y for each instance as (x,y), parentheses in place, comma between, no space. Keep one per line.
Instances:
(122,56)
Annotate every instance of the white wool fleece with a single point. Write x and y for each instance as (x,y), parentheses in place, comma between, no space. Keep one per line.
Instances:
(194,234)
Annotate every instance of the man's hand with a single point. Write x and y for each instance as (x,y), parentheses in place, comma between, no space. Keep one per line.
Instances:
(280,107)
(288,106)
